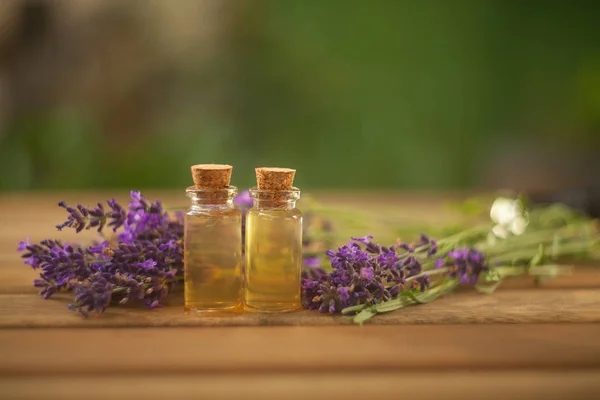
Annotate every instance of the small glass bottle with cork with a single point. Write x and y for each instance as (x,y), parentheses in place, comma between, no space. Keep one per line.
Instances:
(273,247)
(212,242)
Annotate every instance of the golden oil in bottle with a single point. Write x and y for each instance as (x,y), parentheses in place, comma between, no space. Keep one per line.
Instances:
(212,242)
(272,280)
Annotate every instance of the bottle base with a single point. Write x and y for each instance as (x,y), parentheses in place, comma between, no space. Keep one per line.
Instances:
(213,309)
(271,308)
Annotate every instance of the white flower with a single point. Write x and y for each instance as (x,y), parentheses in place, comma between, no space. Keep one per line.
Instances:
(509,216)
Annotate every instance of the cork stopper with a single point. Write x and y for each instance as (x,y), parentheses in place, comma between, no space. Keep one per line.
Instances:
(275,179)
(211,176)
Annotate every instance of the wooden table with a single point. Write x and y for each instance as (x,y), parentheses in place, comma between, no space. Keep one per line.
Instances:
(522,342)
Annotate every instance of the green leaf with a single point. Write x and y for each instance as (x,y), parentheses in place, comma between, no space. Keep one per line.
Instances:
(364,315)
(406,298)
(488,289)
(491,276)
(507,271)
(359,307)
(421,298)
(551,270)
(394,304)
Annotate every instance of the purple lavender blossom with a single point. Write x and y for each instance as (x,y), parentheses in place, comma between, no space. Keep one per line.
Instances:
(144,220)
(143,266)
(312,262)
(99,248)
(361,275)
(367,273)
(466,265)
(100,289)
(148,264)
(423,282)
(364,239)
(61,265)
(344,293)
(440,262)
(92,295)
(81,217)
(243,200)
(23,244)
(429,243)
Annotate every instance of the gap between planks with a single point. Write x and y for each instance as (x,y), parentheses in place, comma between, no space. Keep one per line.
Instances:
(500,385)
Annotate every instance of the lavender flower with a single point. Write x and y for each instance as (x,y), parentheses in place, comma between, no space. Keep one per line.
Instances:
(102,288)
(243,200)
(364,239)
(60,264)
(367,273)
(466,265)
(23,244)
(312,262)
(143,266)
(362,273)
(429,244)
(81,217)
(93,294)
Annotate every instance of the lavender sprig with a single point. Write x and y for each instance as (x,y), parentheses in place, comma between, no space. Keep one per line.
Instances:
(81,217)
(463,259)
(365,273)
(366,279)
(143,265)
(60,265)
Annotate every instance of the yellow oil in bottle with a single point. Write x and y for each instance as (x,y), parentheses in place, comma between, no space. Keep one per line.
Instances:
(273,259)
(213,258)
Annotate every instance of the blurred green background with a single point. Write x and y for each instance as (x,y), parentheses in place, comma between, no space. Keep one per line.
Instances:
(392,94)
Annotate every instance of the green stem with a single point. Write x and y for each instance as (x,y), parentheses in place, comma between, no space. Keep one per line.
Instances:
(403,301)
(538,270)
(535,238)
(430,273)
(472,233)
(563,249)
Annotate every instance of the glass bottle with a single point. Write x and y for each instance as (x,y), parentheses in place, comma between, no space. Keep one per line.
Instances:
(273,251)
(213,251)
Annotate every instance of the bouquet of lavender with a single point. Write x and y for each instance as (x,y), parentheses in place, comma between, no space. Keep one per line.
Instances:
(366,279)
(143,265)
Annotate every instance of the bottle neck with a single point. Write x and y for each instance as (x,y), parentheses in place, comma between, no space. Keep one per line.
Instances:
(275,205)
(277,200)
(212,198)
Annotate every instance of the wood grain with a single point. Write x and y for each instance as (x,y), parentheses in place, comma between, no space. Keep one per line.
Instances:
(497,385)
(297,349)
(511,306)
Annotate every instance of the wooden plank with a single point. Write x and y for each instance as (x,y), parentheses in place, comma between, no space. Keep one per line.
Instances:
(501,385)
(341,349)
(17,278)
(515,306)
